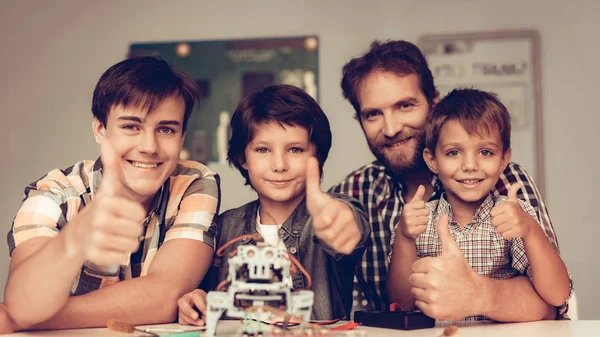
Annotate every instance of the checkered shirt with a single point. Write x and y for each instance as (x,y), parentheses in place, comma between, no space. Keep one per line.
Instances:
(183,208)
(382,197)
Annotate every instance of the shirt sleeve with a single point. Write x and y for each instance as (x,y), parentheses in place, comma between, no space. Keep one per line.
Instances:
(521,263)
(44,211)
(197,208)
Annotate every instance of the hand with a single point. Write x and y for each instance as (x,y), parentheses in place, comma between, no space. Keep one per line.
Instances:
(509,218)
(333,220)
(414,218)
(445,287)
(107,230)
(187,314)
(7,324)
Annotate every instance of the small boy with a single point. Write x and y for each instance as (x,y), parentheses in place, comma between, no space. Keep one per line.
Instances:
(276,134)
(468,147)
(97,240)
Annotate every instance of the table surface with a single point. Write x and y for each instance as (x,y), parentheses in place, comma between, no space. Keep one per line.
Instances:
(533,329)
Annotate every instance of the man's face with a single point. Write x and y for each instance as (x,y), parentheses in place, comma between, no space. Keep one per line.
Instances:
(146,144)
(393,115)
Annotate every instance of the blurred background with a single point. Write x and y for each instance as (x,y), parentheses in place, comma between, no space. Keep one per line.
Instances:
(53,52)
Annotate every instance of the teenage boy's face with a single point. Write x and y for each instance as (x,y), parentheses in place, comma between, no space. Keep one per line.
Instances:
(276,163)
(393,115)
(468,166)
(148,145)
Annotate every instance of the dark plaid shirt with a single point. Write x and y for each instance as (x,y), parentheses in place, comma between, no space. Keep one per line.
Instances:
(382,197)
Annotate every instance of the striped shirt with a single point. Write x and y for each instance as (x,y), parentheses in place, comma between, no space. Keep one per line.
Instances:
(182,209)
(382,197)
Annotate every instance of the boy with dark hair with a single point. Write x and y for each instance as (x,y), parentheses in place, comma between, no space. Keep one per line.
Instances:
(276,134)
(74,243)
(468,147)
(392,91)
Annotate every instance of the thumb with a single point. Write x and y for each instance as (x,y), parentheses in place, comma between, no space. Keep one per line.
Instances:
(513,190)
(110,169)
(313,179)
(446,240)
(419,194)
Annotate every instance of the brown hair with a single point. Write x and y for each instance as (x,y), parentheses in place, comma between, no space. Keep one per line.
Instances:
(399,57)
(477,111)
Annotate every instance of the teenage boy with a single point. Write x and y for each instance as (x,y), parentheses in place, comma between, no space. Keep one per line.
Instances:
(128,234)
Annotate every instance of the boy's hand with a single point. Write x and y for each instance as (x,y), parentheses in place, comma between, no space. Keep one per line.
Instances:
(187,314)
(333,220)
(509,218)
(108,230)
(414,218)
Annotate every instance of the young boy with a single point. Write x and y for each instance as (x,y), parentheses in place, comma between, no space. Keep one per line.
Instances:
(74,243)
(276,134)
(468,147)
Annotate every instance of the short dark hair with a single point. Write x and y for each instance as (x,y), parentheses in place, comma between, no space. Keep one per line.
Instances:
(142,82)
(399,57)
(476,110)
(282,104)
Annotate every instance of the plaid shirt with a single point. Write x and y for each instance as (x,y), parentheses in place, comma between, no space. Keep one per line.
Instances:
(183,208)
(486,251)
(382,197)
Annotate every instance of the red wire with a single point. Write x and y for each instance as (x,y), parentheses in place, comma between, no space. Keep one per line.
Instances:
(254,236)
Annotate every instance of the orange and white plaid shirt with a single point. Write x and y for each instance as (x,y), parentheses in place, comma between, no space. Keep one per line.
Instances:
(182,209)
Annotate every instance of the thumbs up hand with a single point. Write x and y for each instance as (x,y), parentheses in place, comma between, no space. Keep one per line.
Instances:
(509,218)
(445,287)
(332,219)
(415,216)
(107,230)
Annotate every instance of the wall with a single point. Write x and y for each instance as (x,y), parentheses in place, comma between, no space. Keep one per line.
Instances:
(54,52)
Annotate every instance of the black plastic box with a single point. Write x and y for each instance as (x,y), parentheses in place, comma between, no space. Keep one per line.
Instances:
(399,320)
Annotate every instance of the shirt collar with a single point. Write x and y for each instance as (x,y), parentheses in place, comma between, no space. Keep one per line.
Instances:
(483,213)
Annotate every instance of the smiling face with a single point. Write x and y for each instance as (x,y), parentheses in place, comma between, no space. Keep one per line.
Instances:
(276,163)
(147,144)
(393,114)
(468,165)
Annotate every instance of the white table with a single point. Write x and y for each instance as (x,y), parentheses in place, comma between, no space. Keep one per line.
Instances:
(534,329)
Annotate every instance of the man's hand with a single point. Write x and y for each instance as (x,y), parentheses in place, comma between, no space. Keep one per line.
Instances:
(107,231)
(445,287)
(414,218)
(333,220)
(509,218)
(187,314)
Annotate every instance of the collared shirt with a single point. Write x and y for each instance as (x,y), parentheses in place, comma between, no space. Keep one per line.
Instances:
(382,197)
(483,247)
(183,208)
(332,273)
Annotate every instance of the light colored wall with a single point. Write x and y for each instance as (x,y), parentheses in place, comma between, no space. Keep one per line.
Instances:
(52,54)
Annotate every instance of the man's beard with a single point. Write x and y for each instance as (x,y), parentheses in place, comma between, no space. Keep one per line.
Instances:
(401,163)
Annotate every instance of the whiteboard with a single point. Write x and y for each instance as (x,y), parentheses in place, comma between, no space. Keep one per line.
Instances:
(506,63)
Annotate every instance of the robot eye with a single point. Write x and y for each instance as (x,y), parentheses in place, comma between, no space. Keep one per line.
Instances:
(251,253)
(269,253)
